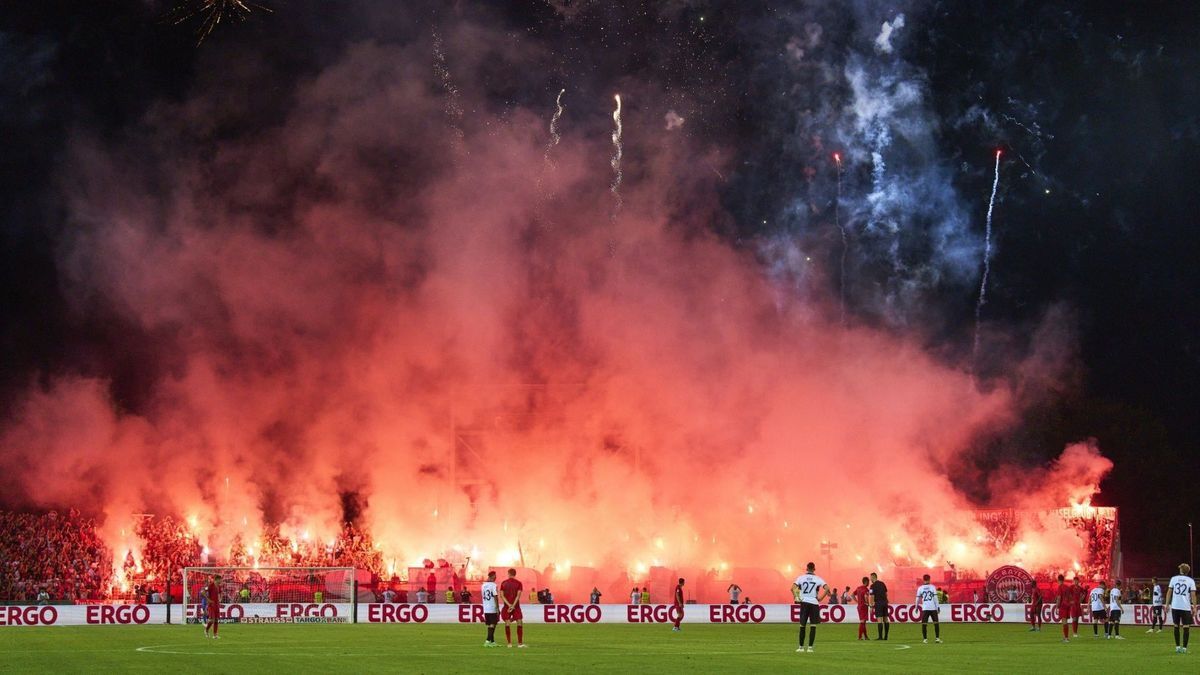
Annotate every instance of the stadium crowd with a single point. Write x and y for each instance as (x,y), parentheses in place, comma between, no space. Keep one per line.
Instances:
(60,558)
(56,556)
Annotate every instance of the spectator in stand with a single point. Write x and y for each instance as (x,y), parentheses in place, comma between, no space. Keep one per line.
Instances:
(595,597)
(635,597)
(846,596)
(389,596)
(431,585)
(943,596)
(645,595)
(402,596)
(833,597)
(465,596)
(746,600)
(975,595)
(43,598)
(244,594)
(549,596)
(734,591)
(319,596)
(450,596)
(422,596)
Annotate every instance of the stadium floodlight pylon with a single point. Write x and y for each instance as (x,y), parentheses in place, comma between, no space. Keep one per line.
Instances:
(303,585)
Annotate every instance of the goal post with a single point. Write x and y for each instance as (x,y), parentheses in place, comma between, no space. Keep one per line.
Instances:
(246,586)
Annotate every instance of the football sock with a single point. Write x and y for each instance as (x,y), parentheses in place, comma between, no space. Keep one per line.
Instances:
(802,628)
(507,634)
(1187,630)
(937,630)
(1065,634)
(1116,628)
(1107,629)
(887,630)
(924,631)
(1176,636)
(1095,628)
(879,630)
(812,635)
(521,635)
(491,634)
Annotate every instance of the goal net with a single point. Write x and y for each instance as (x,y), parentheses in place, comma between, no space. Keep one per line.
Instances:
(270,585)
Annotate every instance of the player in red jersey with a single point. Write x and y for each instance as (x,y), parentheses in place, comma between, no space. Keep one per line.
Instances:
(1066,596)
(510,611)
(861,594)
(677,605)
(213,591)
(1035,607)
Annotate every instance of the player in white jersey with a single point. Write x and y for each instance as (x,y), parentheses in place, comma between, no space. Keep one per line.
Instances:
(1099,613)
(927,598)
(1156,606)
(811,590)
(491,608)
(1112,629)
(1181,596)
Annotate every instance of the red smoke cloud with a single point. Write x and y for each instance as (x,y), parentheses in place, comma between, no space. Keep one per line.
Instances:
(345,307)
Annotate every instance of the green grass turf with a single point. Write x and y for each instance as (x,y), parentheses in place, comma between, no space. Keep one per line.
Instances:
(975,649)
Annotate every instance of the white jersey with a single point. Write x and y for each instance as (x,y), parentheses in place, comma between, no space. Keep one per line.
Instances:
(1157,598)
(488,592)
(1182,588)
(1097,598)
(809,584)
(1114,599)
(927,597)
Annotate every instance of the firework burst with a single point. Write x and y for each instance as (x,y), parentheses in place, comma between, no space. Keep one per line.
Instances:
(211,13)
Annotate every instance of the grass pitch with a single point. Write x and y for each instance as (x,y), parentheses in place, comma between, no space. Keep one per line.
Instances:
(995,648)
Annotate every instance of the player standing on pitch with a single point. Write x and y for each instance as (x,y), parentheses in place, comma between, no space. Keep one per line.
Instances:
(510,594)
(491,611)
(1156,605)
(1113,627)
(1099,614)
(860,598)
(1077,597)
(880,598)
(1035,607)
(677,605)
(1064,605)
(1181,595)
(927,598)
(812,590)
(213,591)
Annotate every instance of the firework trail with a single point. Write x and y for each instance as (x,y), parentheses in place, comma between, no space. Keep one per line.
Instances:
(212,13)
(555,137)
(454,109)
(837,220)
(618,151)
(987,257)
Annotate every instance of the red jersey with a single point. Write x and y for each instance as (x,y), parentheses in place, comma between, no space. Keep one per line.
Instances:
(679,595)
(861,594)
(1036,596)
(214,593)
(511,589)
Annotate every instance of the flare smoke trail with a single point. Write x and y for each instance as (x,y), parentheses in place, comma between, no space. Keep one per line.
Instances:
(987,260)
(615,188)
(837,220)
(618,153)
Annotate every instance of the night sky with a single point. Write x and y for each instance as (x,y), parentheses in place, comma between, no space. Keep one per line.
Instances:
(1094,106)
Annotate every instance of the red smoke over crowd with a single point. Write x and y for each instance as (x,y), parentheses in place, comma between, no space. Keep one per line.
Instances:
(465,353)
